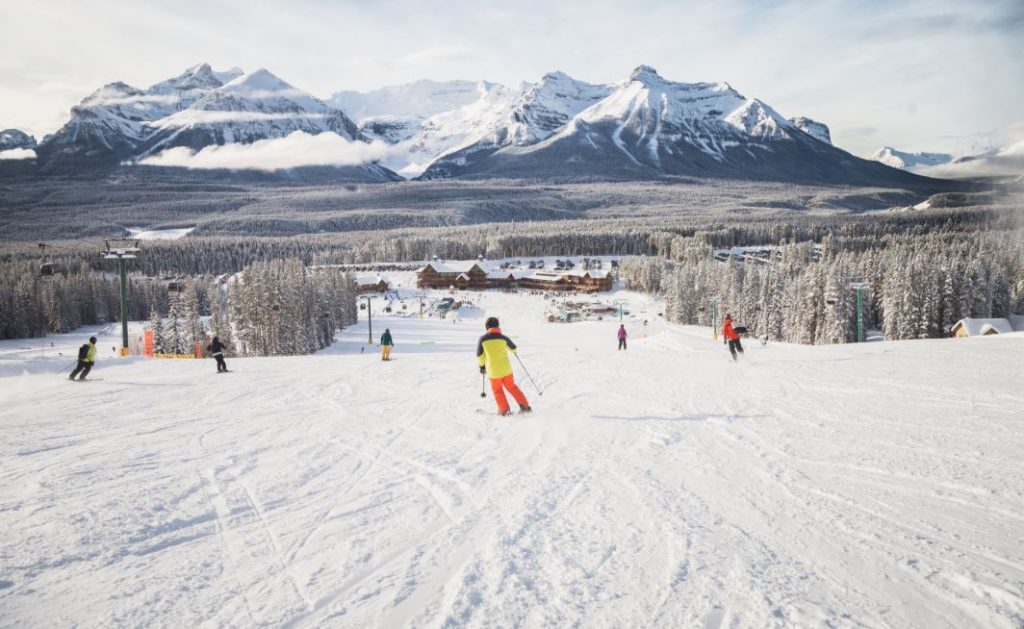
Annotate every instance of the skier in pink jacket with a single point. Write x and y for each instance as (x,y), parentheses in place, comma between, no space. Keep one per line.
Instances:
(622,336)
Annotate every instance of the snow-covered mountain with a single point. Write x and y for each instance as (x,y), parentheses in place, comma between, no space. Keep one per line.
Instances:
(196,109)
(813,128)
(647,127)
(999,164)
(906,160)
(981,160)
(11,139)
(420,131)
(251,107)
(413,101)
(488,115)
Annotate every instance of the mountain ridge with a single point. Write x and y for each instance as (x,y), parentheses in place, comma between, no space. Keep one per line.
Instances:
(644,127)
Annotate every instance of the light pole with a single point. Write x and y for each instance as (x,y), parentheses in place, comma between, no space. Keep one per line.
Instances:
(420,295)
(620,303)
(714,318)
(122,255)
(369,315)
(859,286)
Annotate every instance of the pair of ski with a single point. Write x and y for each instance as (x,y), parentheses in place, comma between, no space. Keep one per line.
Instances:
(481,411)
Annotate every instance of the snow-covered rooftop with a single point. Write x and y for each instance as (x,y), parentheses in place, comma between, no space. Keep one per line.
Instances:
(367,280)
(981,327)
(453,266)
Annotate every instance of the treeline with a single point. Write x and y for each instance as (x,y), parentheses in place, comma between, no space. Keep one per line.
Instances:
(917,285)
(272,308)
(77,294)
(940,242)
(642,235)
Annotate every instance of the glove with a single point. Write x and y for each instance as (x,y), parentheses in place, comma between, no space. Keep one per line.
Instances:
(483,369)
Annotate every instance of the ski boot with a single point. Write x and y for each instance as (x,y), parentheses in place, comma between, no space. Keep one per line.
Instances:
(505,413)
(524,409)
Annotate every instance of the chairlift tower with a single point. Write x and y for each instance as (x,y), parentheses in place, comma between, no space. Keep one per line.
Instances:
(859,286)
(122,254)
(620,303)
(420,295)
(369,316)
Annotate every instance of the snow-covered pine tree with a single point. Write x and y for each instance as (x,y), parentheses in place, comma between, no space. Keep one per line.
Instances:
(156,324)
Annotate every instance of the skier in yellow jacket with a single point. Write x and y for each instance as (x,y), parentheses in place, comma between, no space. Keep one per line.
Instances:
(492,354)
(86,358)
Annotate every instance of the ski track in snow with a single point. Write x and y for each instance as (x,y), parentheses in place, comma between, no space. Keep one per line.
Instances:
(874,485)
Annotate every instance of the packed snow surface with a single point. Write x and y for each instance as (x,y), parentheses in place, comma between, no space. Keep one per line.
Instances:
(871,485)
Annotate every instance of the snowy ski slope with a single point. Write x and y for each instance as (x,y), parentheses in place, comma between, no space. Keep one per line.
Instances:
(878,485)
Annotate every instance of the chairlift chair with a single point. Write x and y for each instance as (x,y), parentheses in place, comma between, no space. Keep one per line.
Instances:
(46,268)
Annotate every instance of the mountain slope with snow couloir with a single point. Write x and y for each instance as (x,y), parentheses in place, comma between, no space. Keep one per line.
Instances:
(422,127)
(651,128)
(199,108)
(11,139)
(254,106)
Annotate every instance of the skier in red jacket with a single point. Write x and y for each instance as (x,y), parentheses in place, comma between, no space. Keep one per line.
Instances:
(731,337)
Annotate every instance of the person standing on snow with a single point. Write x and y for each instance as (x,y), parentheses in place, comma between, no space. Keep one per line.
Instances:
(492,354)
(86,358)
(385,344)
(622,336)
(216,349)
(731,337)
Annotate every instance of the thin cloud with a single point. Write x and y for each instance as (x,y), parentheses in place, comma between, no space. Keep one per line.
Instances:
(1007,162)
(191,117)
(438,54)
(12,154)
(293,151)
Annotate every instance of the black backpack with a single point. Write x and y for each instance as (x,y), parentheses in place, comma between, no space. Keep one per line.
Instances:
(83,352)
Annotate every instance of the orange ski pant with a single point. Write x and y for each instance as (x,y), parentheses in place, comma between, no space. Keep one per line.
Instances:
(499,385)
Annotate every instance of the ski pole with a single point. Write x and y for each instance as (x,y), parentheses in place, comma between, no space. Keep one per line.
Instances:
(482,394)
(539,392)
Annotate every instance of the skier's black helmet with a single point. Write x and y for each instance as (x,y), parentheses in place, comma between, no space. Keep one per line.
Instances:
(492,322)
(92,339)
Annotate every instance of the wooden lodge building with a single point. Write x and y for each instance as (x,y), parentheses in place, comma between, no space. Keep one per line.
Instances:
(473,275)
(371,284)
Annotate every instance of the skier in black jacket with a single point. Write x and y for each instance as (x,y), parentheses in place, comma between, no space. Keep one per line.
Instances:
(216,348)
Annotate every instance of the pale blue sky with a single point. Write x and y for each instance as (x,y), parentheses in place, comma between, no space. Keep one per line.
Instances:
(917,75)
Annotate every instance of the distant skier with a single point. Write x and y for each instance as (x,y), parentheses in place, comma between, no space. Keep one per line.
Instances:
(86,358)
(385,344)
(492,354)
(216,349)
(622,336)
(732,337)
